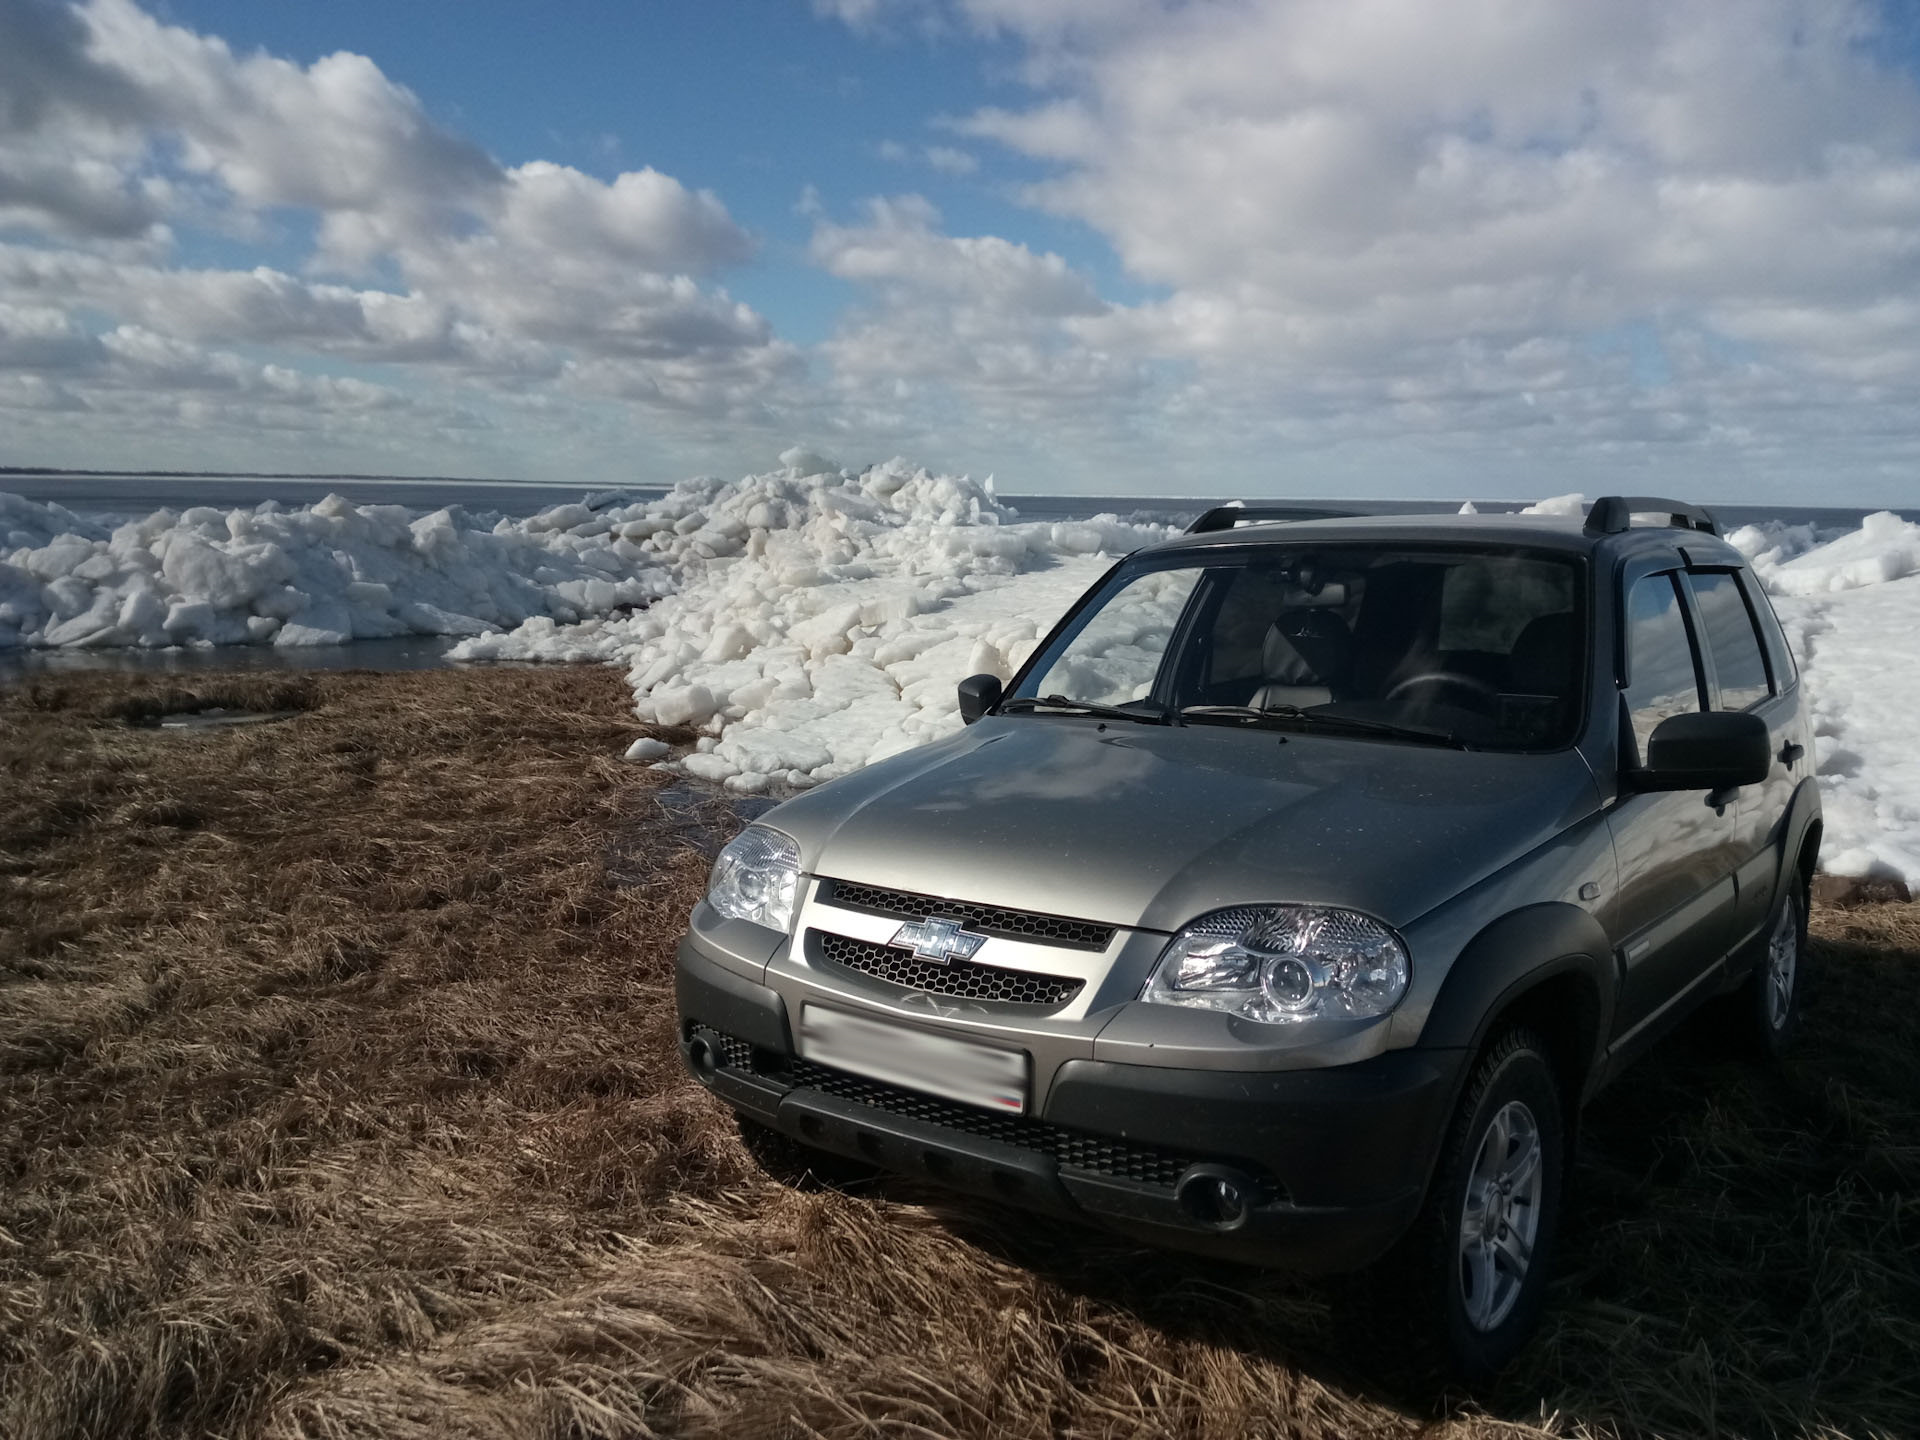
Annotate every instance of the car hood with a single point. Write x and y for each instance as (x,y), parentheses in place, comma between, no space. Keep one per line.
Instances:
(1150,826)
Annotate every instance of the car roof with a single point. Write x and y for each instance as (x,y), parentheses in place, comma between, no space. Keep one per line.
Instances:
(1534,532)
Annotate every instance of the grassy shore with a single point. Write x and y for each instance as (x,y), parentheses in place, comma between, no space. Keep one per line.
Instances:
(338,1098)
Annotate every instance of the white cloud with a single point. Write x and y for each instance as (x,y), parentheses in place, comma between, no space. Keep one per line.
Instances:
(853,12)
(115,127)
(1381,242)
(950,160)
(41,337)
(69,130)
(1307,156)
(947,159)
(883,17)
(1374,222)
(971,345)
(900,249)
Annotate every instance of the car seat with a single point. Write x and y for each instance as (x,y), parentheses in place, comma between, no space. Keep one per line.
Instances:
(1543,655)
(1306,660)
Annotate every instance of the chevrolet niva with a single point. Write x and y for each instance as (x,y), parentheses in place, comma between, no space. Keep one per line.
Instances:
(1294,896)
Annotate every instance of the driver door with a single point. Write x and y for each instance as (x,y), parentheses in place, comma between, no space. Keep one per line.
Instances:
(1671,918)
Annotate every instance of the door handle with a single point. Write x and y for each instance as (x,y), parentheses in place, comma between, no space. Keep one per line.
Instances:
(1791,752)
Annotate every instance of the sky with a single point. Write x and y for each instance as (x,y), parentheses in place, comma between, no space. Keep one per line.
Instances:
(1498,248)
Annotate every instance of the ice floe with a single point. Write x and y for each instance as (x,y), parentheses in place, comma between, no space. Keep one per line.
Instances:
(822,617)
(318,575)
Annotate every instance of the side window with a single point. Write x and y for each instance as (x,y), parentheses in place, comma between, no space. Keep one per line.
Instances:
(1662,678)
(1732,639)
(1779,654)
(1115,654)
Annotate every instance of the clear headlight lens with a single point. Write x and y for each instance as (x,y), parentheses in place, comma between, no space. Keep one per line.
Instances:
(757,878)
(1282,964)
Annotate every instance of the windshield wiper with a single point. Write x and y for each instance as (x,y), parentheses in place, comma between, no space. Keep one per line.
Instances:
(1237,712)
(1293,714)
(1062,705)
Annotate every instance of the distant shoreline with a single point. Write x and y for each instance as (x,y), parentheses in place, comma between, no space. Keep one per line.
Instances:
(56,471)
(120,492)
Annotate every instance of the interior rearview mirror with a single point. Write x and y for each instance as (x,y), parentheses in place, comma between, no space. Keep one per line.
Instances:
(978,694)
(1706,750)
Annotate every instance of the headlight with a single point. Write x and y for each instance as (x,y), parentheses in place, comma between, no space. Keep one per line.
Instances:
(1282,964)
(757,878)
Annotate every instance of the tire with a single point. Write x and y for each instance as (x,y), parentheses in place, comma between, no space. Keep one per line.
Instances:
(1478,1257)
(1766,1010)
(798,1166)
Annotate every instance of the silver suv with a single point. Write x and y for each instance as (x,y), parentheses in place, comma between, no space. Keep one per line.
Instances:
(1294,896)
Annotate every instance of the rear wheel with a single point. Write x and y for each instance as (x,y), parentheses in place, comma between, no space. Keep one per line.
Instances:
(1473,1272)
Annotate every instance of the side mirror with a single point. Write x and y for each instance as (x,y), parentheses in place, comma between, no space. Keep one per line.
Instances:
(978,694)
(1706,750)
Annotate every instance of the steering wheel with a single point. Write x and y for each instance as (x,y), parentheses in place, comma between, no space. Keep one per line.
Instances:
(1480,690)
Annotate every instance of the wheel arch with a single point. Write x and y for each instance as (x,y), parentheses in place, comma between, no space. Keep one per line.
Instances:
(1805,836)
(1548,967)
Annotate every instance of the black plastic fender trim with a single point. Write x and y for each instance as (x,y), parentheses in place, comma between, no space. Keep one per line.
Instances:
(1803,813)
(1511,956)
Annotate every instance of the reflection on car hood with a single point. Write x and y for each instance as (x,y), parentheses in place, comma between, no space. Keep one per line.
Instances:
(1150,826)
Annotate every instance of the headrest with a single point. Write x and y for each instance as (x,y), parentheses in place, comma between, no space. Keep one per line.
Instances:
(1308,647)
(1543,656)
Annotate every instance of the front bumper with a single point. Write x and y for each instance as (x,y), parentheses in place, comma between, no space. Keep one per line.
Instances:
(1338,1158)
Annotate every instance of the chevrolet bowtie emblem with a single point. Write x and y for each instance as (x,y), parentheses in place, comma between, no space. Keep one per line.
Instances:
(940,941)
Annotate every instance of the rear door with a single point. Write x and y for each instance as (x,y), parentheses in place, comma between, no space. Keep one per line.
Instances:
(1672,916)
(1744,674)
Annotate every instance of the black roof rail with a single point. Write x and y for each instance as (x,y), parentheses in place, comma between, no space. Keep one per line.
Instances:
(1613,513)
(1225,517)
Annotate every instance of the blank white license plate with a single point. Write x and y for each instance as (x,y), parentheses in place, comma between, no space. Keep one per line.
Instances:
(938,1064)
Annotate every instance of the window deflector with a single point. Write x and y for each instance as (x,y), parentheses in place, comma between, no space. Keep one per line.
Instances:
(1757,631)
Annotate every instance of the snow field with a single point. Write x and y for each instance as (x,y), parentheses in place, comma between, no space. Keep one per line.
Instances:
(1851,608)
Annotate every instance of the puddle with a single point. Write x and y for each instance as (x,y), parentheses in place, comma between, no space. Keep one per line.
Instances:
(214,719)
(420,652)
(703,817)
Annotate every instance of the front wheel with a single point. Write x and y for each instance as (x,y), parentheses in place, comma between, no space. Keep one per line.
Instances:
(1475,1265)
(1767,1008)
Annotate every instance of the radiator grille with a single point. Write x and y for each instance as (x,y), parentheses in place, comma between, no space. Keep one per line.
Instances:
(1074,1148)
(985,919)
(735,1053)
(962,978)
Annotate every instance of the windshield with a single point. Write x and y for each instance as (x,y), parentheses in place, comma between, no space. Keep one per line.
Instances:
(1481,647)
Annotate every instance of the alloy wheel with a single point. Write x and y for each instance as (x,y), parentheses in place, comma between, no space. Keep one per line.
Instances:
(1501,1216)
(1783,963)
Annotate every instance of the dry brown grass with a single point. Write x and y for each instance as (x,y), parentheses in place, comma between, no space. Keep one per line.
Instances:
(338,1097)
